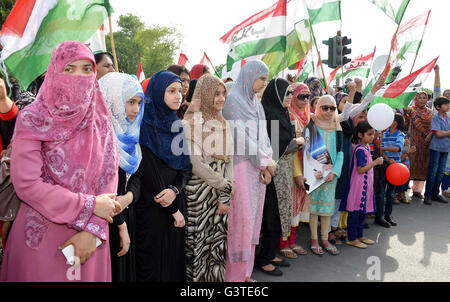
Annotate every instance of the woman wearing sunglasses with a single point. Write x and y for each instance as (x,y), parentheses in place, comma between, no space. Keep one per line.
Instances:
(326,122)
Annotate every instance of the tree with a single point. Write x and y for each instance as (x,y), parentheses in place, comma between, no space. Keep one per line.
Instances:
(5,9)
(155,46)
(159,45)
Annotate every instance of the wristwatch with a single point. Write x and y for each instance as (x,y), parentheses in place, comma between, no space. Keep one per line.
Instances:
(173,188)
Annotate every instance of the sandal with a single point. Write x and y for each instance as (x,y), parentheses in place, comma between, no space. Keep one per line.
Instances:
(367,241)
(299,250)
(317,250)
(332,250)
(288,253)
(360,245)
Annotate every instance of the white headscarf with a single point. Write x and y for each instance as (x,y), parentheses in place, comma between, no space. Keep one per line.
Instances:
(117,88)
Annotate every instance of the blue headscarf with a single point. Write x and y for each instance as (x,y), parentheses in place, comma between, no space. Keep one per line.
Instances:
(156,129)
(117,89)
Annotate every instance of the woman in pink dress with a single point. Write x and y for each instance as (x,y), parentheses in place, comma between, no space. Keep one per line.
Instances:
(64,167)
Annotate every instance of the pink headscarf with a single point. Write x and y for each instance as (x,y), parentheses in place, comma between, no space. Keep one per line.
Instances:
(301,116)
(72,121)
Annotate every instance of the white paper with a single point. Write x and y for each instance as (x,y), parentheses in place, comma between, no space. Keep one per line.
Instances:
(69,251)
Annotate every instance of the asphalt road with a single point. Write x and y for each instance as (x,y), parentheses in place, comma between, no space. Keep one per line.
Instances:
(417,250)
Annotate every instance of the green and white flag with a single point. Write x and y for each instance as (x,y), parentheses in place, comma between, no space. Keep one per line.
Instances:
(308,69)
(410,35)
(281,33)
(394,9)
(323,10)
(400,93)
(35,27)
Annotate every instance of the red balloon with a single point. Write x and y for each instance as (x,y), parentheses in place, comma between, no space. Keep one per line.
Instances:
(397,174)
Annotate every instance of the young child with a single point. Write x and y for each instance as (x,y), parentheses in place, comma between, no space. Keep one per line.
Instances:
(359,199)
(400,191)
(391,150)
(439,148)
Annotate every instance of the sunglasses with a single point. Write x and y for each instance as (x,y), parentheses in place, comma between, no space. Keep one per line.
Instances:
(302,97)
(325,108)
(289,93)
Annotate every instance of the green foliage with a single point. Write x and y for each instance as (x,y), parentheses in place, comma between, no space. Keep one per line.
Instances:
(5,9)
(154,46)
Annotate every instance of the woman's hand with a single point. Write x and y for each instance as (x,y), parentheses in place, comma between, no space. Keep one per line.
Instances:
(125,200)
(272,168)
(266,177)
(327,167)
(166,197)
(300,182)
(106,207)
(330,177)
(124,239)
(233,188)
(222,209)
(179,219)
(84,246)
(428,138)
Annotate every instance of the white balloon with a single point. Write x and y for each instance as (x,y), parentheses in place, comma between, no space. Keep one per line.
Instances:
(380,116)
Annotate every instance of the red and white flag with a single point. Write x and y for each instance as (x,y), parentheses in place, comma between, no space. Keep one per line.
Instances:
(332,75)
(140,74)
(183,59)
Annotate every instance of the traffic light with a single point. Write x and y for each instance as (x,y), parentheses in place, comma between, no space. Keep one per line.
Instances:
(331,61)
(342,50)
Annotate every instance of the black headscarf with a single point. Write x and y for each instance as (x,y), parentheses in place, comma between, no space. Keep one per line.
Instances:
(272,101)
(192,85)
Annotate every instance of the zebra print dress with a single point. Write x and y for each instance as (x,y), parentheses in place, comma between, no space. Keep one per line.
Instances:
(206,236)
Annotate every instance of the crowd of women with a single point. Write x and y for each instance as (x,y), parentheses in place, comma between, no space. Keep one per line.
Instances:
(183,176)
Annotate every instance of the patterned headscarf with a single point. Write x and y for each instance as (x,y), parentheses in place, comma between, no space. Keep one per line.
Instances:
(156,129)
(118,88)
(316,89)
(202,116)
(70,118)
(242,105)
(301,116)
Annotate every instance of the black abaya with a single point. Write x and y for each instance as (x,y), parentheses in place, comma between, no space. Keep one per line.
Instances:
(160,246)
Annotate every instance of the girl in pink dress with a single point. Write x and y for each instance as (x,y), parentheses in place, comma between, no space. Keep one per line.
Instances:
(64,167)
(359,199)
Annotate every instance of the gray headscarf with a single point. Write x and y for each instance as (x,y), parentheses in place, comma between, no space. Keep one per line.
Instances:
(251,140)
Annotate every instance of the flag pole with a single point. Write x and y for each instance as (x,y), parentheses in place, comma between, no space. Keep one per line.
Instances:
(113,48)
(420,45)
(215,71)
(320,59)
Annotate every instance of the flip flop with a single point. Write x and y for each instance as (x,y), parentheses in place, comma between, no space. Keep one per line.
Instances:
(332,250)
(299,250)
(317,250)
(359,245)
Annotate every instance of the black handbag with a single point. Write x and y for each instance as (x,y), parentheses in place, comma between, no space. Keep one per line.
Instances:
(9,202)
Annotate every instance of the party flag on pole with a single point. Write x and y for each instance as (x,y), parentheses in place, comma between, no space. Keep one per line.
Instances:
(35,27)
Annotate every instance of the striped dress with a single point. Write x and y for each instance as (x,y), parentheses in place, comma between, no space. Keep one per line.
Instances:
(206,235)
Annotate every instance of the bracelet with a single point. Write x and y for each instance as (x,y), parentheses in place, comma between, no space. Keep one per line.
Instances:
(173,188)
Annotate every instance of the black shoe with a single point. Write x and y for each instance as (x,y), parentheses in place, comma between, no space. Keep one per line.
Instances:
(439,198)
(382,222)
(276,272)
(366,225)
(390,220)
(282,263)
(427,201)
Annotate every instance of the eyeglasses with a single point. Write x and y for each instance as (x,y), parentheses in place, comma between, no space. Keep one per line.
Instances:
(289,93)
(302,97)
(331,108)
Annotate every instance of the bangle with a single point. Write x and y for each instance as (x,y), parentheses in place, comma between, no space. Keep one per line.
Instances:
(173,188)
